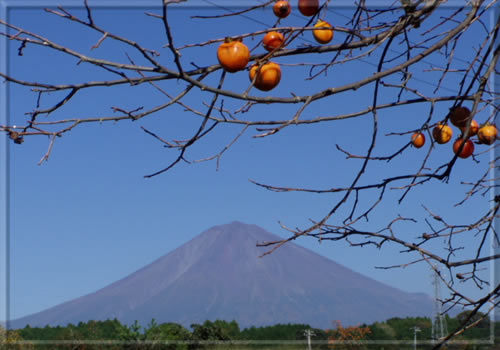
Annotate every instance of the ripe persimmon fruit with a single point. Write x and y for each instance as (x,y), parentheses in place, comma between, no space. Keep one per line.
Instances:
(459,116)
(282,8)
(418,139)
(487,134)
(474,128)
(273,40)
(267,77)
(442,133)
(323,36)
(467,150)
(233,55)
(308,7)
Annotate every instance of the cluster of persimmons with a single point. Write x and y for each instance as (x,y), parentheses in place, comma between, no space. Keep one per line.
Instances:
(234,55)
(460,117)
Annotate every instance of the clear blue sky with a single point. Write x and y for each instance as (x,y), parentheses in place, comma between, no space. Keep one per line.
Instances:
(87,217)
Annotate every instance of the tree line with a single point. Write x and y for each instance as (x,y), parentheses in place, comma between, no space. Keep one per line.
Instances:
(395,333)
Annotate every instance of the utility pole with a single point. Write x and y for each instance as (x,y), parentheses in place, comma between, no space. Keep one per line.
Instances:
(415,330)
(308,333)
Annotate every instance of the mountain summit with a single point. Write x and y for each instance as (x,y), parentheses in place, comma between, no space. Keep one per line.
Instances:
(219,275)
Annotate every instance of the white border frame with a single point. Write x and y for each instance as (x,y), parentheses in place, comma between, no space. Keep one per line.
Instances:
(5,6)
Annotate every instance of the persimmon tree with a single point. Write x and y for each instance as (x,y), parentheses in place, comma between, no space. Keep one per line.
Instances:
(347,337)
(404,41)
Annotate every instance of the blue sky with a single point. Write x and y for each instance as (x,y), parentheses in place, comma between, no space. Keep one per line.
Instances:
(88,217)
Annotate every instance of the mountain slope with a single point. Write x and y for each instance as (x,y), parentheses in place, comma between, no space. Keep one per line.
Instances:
(218,275)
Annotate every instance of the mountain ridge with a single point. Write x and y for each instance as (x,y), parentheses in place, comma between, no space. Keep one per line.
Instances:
(217,274)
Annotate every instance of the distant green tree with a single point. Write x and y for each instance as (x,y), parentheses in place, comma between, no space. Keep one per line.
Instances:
(168,336)
(232,329)
(279,331)
(404,327)
(92,335)
(483,323)
(30,333)
(480,330)
(207,335)
(383,331)
(132,336)
(108,329)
